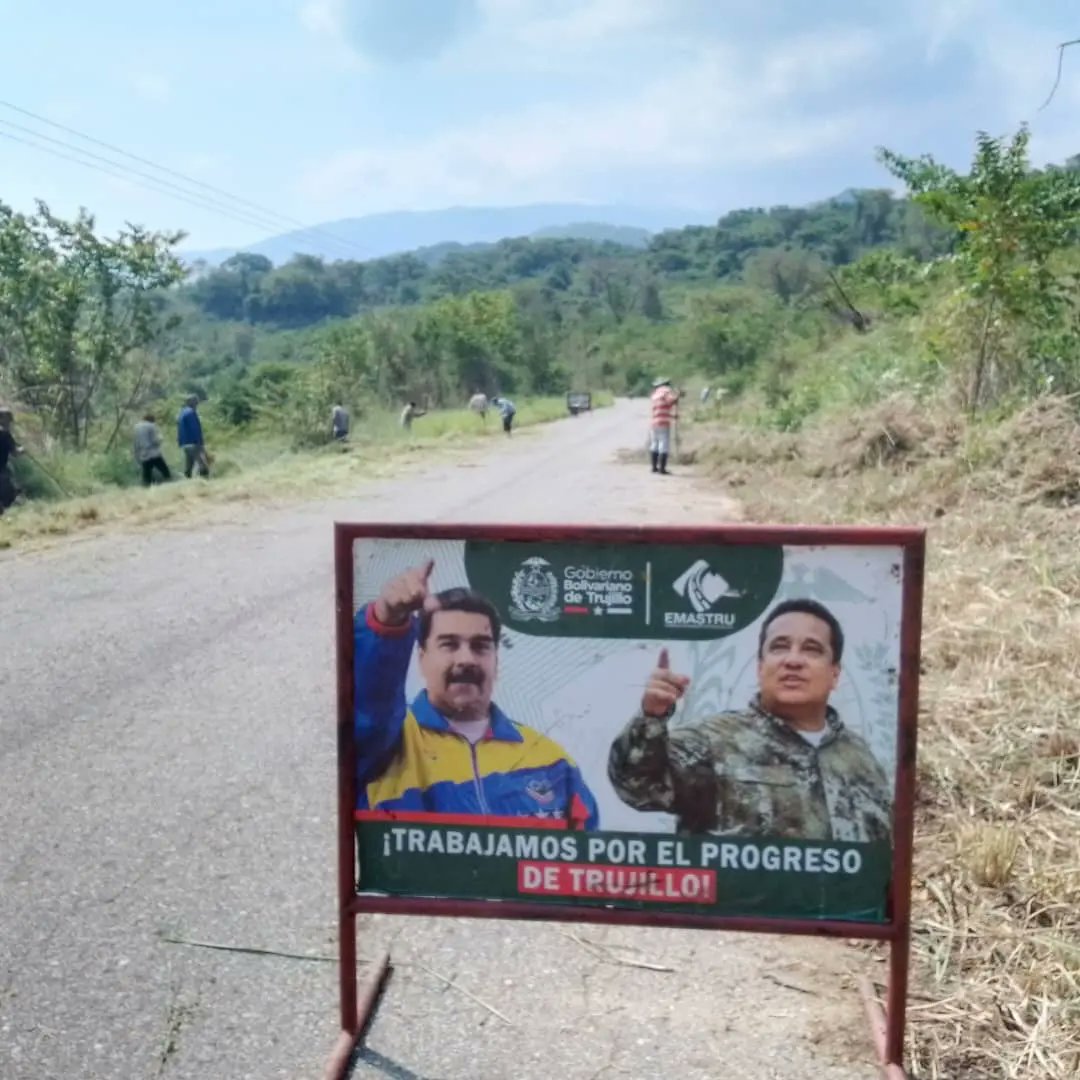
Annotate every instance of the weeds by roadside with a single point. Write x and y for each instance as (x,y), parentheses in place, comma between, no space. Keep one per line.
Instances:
(997,881)
(257,468)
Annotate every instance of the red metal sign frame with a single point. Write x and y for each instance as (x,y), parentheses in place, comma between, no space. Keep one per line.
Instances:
(887,1026)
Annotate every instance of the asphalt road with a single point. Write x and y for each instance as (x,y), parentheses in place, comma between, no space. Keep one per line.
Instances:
(167,771)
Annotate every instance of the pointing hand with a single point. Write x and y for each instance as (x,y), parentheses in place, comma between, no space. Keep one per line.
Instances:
(406,593)
(664,689)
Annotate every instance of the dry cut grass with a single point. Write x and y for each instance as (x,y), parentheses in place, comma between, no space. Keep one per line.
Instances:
(997,882)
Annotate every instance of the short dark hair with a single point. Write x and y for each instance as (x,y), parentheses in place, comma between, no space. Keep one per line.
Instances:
(806,606)
(461,599)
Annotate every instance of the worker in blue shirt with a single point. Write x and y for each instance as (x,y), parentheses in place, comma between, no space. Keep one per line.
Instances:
(506,411)
(189,437)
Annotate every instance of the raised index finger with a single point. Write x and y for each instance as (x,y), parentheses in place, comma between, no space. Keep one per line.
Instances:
(417,578)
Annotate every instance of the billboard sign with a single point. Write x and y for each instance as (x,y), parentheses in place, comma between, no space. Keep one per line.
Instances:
(704,724)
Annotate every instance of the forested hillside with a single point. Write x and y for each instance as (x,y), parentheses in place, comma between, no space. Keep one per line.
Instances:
(93,329)
(534,315)
(376,236)
(777,248)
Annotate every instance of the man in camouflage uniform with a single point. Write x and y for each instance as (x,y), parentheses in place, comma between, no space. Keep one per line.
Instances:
(785,767)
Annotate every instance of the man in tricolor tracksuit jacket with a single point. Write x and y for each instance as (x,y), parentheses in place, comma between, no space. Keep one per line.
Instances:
(452,751)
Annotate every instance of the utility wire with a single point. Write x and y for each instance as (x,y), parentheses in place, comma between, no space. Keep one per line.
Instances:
(283,218)
(160,184)
(262,210)
(1061,60)
(119,175)
(152,164)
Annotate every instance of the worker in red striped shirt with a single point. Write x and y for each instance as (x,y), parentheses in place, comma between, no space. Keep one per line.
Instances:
(665,411)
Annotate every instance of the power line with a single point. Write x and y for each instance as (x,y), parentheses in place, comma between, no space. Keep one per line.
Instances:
(182,176)
(273,214)
(119,175)
(161,185)
(1061,60)
(152,164)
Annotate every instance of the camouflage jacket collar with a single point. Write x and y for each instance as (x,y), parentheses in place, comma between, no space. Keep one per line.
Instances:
(833,724)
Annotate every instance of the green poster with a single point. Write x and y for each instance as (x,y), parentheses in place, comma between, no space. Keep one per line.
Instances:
(705,728)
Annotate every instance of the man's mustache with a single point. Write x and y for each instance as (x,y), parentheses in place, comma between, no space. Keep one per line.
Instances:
(470,676)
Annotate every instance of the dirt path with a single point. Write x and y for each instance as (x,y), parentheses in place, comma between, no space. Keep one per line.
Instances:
(166,769)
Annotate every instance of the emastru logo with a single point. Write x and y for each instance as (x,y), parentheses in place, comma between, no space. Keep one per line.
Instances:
(534,592)
(702,587)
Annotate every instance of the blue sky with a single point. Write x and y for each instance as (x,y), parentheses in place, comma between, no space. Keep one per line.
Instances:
(322,109)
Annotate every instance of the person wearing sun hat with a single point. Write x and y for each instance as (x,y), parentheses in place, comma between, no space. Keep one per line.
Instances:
(665,411)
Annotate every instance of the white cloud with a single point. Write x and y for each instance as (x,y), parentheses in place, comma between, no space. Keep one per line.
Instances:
(945,20)
(812,62)
(519,36)
(722,109)
(1017,60)
(151,86)
(324,21)
(1009,55)
(322,16)
(1014,53)
(582,24)
(513,35)
(689,99)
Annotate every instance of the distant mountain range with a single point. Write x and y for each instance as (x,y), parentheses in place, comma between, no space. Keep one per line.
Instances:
(378,235)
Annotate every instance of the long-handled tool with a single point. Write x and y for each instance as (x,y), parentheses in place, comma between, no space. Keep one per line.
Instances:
(52,479)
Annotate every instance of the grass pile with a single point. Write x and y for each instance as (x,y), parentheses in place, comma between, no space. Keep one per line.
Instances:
(1037,453)
(996,989)
(896,432)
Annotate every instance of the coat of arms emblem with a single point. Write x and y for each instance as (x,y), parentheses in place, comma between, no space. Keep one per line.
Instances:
(534,592)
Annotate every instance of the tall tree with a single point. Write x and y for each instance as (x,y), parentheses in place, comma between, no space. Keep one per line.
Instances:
(1009,222)
(74,307)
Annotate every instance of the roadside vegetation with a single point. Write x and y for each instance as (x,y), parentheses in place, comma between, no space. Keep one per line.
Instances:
(73,492)
(958,408)
(875,359)
(96,331)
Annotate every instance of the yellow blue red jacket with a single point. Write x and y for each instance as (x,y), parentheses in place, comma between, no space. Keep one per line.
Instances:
(409,760)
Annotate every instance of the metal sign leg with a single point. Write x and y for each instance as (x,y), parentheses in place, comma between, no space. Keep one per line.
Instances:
(887,1025)
(357,1002)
